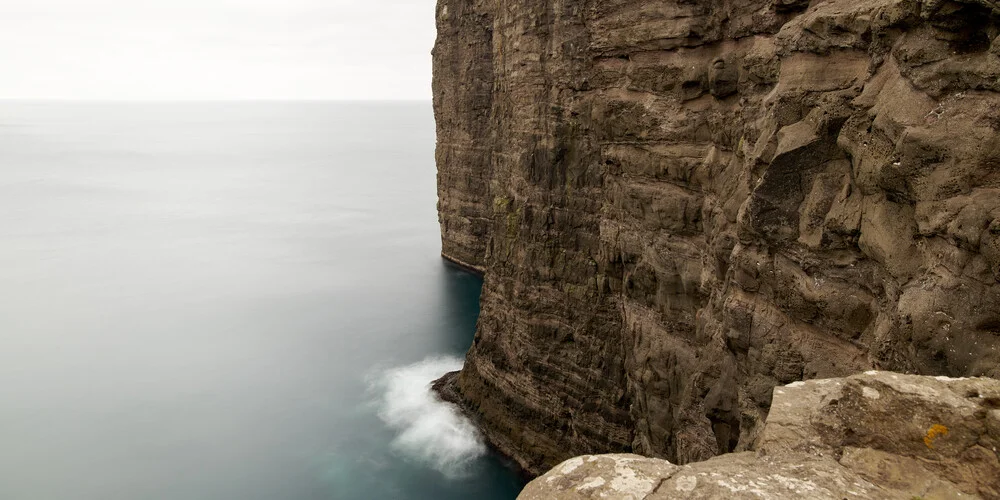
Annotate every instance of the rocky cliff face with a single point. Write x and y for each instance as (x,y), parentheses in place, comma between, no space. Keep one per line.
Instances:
(679,204)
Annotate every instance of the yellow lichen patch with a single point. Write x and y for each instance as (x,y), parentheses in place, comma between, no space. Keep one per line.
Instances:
(933,433)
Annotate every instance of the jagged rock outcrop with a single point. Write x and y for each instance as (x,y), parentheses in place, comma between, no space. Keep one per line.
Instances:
(680,204)
(877,435)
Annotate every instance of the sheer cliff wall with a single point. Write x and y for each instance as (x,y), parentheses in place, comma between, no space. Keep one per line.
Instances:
(680,204)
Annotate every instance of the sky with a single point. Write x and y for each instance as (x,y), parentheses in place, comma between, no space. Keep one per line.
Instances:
(216,49)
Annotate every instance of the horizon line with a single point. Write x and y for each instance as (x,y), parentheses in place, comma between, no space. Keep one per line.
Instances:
(202,99)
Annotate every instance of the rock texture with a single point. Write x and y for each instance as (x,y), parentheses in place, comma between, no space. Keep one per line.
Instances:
(680,204)
(463,97)
(877,435)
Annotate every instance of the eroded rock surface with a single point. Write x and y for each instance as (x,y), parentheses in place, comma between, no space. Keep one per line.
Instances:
(875,435)
(737,475)
(681,204)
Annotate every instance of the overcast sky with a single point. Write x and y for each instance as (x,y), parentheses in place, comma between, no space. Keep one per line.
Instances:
(216,49)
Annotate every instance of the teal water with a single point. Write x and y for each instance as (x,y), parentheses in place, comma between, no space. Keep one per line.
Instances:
(229,301)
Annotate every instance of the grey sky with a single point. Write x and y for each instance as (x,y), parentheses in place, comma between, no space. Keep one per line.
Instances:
(212,49)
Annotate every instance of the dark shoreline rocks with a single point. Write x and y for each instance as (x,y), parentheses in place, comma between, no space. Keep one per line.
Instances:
(469,268)
(445,387)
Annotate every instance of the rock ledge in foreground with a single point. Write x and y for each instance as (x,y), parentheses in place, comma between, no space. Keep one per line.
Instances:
(873,435)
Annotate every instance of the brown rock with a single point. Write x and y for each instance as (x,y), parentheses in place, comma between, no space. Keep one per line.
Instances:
(677,203)
(886,426)
(875,435)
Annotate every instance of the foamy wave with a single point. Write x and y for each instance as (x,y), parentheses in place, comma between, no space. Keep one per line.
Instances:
(428,429)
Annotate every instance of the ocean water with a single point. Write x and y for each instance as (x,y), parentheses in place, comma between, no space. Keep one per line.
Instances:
(207,301)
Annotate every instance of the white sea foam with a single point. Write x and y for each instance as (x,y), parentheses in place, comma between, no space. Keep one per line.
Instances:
(428,429)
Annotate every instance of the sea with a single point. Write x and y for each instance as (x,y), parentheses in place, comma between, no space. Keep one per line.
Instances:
(230,300)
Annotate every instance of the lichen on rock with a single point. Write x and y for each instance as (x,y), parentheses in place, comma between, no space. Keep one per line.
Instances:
(825,439)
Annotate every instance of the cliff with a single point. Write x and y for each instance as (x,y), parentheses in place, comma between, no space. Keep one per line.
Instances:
(879,435)
(680,204)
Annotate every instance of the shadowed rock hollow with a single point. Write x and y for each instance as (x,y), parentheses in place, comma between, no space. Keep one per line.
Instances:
(679,205)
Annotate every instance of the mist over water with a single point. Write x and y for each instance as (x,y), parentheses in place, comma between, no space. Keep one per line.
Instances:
(216,301)
(429,430)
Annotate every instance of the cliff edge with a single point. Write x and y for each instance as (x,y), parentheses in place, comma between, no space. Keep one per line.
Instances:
(680,204)
(878,435)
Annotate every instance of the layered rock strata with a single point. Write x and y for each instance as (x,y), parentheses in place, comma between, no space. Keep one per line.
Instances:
(679,205)
(879,435)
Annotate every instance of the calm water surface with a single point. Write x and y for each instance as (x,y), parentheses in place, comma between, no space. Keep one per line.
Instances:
(229,301)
